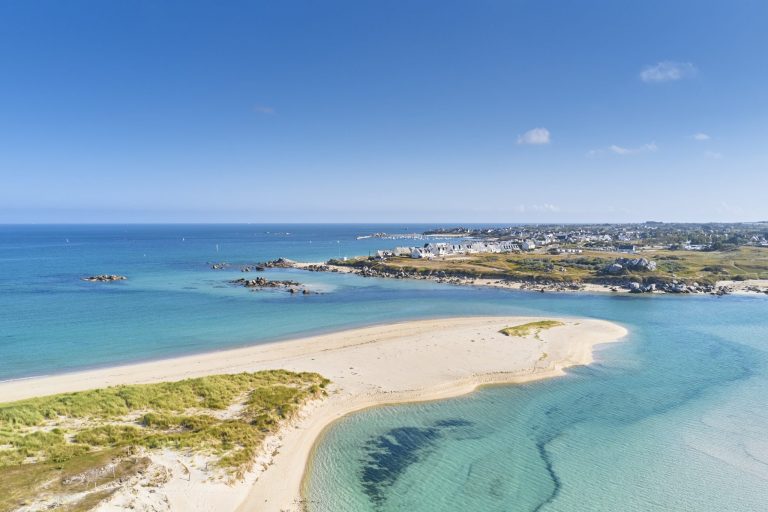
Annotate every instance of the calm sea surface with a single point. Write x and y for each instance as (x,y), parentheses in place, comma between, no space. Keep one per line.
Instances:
(675,418)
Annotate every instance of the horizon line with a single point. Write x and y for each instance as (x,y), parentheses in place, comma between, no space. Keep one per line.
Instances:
(411,223)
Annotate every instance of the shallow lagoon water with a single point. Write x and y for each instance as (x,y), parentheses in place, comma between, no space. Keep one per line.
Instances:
(674,418)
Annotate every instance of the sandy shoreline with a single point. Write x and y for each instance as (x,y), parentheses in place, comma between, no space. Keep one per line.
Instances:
(384,364)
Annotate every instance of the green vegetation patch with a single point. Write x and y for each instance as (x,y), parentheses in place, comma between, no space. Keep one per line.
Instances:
(703,267)
(48,441)
(523,330)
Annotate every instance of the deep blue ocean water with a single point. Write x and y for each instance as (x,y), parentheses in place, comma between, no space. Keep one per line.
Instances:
(674,418)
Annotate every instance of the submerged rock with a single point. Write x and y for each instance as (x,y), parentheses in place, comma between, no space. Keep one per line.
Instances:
(252,268)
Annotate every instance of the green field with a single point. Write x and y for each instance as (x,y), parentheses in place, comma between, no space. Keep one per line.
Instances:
(62,444)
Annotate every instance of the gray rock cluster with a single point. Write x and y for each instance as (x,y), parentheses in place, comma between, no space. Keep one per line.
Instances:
(104,278)
(622,265)
(397,274)
(676,287)
(278,263)
(252,268)
(261,283)
(320,268)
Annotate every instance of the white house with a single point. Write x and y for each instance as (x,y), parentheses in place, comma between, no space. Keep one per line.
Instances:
(438,249)
(529,245)
(421,252)
(508,246)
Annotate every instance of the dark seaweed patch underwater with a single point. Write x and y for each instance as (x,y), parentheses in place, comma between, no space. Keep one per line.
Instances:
(389,455)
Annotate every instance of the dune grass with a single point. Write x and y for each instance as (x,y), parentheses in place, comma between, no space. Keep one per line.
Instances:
(524,330)
(50,439)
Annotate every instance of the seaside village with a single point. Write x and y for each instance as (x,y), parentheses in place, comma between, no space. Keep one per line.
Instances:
(501,240)
(433,250)
(605,238)
(438,249)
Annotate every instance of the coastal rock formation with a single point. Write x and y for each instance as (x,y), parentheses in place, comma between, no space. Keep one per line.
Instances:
(219,266)
(621,265)
(612,280)
(278,263)
(675,287)
(104,278)
(615,277)
(250,268)
(261,283)
(635,287)
(320,268)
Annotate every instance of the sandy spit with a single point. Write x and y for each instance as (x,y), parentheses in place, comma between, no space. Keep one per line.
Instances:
(383,364)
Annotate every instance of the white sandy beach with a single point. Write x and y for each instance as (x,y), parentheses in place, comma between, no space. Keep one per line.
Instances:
(748,286)
(409,361)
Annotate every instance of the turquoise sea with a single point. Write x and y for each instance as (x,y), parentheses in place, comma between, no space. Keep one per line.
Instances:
(674,418)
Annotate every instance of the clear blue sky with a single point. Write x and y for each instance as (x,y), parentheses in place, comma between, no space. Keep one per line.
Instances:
(498,111)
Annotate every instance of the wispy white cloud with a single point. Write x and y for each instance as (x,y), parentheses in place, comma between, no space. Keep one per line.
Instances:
(713,155)
(263,109)
(545,207)
(620,150)
(700,136)
(645,148)
(730,209)
(623,151)
(537,136)
(667,71)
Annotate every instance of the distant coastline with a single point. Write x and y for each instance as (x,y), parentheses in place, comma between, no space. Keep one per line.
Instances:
(649,257)
(406,269)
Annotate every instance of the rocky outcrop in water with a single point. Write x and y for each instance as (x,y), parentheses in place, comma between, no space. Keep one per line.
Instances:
(261,283)
(104,278)
(278,263)
(252,268)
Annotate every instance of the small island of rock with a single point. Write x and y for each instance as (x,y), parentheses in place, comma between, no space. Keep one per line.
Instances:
(104,278)
(260,283)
